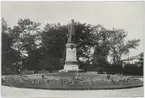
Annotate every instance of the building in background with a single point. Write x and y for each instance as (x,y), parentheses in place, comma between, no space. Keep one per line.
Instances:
(134,60)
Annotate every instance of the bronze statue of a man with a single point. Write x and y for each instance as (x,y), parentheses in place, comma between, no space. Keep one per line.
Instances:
(71,34)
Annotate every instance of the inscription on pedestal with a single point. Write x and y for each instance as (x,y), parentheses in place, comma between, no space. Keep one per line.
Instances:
(71,54)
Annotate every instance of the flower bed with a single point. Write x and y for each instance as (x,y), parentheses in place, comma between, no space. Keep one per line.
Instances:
(73,81)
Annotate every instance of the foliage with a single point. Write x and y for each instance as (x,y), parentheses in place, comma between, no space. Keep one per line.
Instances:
(9,55)
(118,45)
(101,48)
(44,48)
(27,33)
(86,81)
(27,40)
(54,39)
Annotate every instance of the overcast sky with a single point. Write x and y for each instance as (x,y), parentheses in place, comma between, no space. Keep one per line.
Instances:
(124,15)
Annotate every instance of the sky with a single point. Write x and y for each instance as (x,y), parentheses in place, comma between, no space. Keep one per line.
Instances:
(120,15)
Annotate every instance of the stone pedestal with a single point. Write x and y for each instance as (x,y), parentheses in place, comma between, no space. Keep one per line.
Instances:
(71,63)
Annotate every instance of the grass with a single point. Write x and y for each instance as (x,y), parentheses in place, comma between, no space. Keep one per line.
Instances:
(72,81)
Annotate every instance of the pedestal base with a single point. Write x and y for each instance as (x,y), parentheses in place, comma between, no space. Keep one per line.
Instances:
(71,59)
(70,68)
(62,70)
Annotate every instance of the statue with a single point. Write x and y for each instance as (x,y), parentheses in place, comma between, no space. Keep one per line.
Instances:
(71,34)
(71,63)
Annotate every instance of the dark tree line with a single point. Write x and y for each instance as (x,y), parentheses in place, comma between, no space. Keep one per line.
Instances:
(44,48)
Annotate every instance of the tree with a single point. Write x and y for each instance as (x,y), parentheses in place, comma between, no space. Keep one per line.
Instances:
(84,43)
(94,44)
(9,55)
(27,35)
(46,48)
(54,39)
(101,48)
(27,38)
(118,45)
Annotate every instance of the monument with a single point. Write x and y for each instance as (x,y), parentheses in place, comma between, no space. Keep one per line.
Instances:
(71,63)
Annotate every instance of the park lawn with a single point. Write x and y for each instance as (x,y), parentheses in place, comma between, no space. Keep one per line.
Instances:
(70,81)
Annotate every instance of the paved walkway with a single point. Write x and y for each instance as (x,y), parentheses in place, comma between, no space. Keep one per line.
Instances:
(11,92)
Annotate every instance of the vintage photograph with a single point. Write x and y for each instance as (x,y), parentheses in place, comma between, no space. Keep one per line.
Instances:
(72,49)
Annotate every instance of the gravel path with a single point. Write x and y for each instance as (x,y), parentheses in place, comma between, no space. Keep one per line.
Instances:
(11,92)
